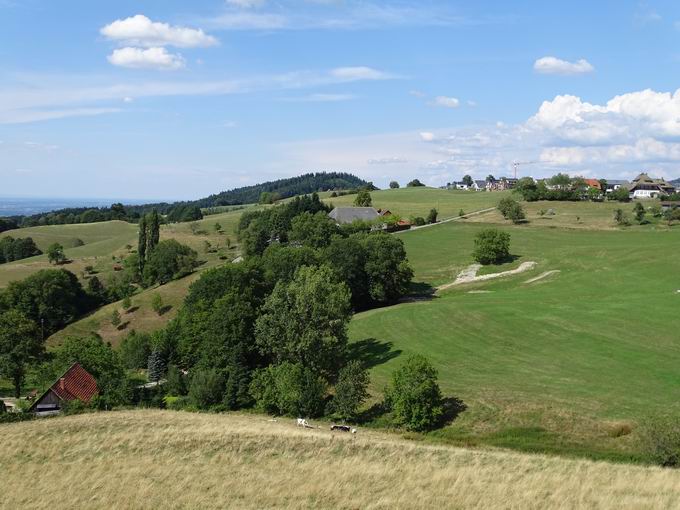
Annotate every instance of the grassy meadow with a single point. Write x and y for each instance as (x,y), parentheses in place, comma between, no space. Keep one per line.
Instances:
(167,459)
(560,364)
(418,201)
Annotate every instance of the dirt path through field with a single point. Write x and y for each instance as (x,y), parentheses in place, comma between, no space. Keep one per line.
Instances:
(469,274)
(542,275)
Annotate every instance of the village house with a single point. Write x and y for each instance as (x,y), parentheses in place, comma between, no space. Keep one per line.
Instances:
(502,184)
(643,186)
(479,185)
(593,183)
(345,215)
(614,184)
(75,384)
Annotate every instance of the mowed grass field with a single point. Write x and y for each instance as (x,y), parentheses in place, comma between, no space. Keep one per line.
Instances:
(167,459)
(418,201)
(560,364)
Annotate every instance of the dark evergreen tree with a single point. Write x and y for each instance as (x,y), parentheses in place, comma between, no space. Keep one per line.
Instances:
(156,366)
(154,226)
(141,244)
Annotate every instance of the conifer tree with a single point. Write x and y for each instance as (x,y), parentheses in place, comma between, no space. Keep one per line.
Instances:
(154,230)
(141,244)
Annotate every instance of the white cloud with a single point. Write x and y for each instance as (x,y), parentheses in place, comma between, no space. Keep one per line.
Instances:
(321,98)
(417,93)
(553,65)
(426,136)
(335,15)
(446,102)
(387,161)
(141,31)
(246,4)
(150,58)
(41,97)
(359,73)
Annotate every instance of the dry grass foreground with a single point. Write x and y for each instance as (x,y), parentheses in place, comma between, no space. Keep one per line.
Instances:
(165,459)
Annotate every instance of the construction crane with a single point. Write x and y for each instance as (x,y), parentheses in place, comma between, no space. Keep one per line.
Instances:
(520,163)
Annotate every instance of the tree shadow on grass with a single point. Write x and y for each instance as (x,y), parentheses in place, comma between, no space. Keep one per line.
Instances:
(165,310)
(123,326)
(452,407)
(420,290)
(371,352)
(132,309)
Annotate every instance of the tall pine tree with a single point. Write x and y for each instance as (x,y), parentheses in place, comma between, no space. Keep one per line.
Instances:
(141,244)
(154,231)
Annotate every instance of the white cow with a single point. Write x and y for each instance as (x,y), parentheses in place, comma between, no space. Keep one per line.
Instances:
(301,422)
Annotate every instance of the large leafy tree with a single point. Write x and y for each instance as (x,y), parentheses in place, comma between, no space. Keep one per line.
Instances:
(167,261)
(363,199)
(491,246)
(20,345)
(50,297)
(305,321)
(387,267)
(414,396)
(351,391)
(315,230)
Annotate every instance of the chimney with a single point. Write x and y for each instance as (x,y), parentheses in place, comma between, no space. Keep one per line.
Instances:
(61,384)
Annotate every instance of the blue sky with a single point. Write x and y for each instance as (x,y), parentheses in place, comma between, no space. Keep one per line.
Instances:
(174,99)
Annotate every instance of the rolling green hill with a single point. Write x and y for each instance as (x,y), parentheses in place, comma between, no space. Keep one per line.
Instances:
(418,201)
(167,459)
(556,364)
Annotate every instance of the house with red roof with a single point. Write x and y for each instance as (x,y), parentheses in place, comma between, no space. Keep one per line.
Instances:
(593,183)
(75,384)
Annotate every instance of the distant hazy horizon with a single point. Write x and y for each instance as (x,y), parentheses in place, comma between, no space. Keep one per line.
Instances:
(25,205)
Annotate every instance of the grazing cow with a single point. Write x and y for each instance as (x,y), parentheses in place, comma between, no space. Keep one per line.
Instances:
(301,422)
(342,428)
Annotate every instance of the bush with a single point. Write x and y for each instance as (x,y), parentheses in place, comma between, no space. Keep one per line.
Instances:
(289,389)
(176,403)
(206,389)
(351,390)
(394,185)
(621,218)
(3,408)
(414,396)
(157,303)
(176,383)
(661,441)
(135,350)
(491,246)
(432,216)
(418,221)
(363,199)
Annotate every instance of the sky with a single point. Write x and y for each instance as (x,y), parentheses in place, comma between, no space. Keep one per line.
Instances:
(169,99)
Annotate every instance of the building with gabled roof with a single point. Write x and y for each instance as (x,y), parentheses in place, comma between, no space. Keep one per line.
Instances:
(343,215)
(643,186)
(75,384)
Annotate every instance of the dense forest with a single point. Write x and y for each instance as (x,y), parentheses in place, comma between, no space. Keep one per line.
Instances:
(190,210)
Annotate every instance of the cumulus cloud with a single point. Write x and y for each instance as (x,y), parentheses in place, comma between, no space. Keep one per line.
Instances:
(446,102)
(150,58)
(426,136)
(553,65)
(141,31)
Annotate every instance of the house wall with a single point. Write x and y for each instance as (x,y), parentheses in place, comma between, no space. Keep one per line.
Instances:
(49,399)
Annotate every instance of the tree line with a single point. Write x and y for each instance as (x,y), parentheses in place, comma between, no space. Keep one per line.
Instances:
(191,210)
(16,249)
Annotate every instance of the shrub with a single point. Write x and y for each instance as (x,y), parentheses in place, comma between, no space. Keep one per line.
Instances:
(175,381)
(516,213)
(661,441)
(414,396)
(176,403)
(157,303)
(394,185)
(418,221)
(135,350)
(127,303)
(620,218)
(432,216)
(505,205)
(3,408)
(351,390)
(461,213)
(115,318)
(206,388)
(491,246)
(363,199)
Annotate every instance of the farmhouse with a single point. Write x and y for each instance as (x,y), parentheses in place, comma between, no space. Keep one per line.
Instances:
(75,384)
(593,183)
(643,186)
(343,215)
(479,185)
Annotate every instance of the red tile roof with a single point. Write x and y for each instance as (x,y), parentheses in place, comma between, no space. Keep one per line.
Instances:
(76,383)
(593,183)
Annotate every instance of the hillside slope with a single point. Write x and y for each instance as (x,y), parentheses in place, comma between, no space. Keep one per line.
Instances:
(166,459)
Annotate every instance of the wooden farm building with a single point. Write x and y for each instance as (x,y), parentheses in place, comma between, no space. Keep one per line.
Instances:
(75,384)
